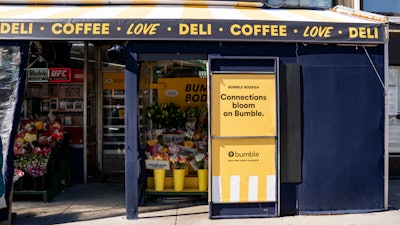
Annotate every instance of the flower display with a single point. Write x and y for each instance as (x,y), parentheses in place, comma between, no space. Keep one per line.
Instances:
(32,147)
(178,135)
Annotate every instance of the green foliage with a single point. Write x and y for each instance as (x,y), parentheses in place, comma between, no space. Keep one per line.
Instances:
(166,115)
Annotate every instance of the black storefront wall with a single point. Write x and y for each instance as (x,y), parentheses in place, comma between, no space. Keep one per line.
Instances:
(342,121)
(343,142)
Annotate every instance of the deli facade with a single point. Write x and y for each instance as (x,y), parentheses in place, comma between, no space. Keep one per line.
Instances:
(296,96)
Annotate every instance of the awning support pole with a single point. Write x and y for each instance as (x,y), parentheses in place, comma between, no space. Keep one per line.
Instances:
(131,137)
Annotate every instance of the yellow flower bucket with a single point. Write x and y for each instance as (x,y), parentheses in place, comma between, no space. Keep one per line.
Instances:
(202,175)
(179,179)
(159,179)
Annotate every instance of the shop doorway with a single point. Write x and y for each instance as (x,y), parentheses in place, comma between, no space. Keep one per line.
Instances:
(113,124)
(173,125)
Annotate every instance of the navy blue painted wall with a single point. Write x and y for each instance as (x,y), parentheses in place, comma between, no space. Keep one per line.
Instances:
(343,133)
(342,123)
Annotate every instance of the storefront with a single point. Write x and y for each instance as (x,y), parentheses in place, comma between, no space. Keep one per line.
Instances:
(287,104)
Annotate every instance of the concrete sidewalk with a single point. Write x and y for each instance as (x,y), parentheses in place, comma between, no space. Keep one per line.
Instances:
(382,218)
(97,204)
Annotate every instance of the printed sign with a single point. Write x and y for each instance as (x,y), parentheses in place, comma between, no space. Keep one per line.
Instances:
(38,75)
(243,137)
(243,104)
(77,75)
(243,170)
(114,81)
(191,29)
(183,91)
(157,164)
(53,75)
(60,75)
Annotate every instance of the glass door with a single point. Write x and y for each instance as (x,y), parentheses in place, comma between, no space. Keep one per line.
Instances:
(113,122)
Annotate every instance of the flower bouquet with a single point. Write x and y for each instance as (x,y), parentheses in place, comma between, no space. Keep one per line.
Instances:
(179,161)
(157,160)
(179,164)
(37,160)
(18,183)
(156,156)
(17,174)
(199,161)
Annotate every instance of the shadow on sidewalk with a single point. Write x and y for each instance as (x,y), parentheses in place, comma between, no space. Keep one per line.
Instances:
(84,202)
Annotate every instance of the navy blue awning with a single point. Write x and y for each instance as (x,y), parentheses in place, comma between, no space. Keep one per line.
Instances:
(187,22)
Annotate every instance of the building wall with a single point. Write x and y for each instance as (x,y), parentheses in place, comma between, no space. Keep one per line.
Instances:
(342,119)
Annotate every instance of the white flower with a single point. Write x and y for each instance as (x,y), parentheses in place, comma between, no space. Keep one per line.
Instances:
(199,157)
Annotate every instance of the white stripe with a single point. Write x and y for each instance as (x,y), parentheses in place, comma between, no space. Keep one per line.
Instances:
(271,188)
(253,189)
(36,13)
(342,17)
(216,188)
(48,12)
(227,13)
(235,188)
(166,12)
(288,15)
(175,12)
(103,12)
(9,8)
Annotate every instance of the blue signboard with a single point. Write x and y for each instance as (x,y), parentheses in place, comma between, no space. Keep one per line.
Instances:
(381,6)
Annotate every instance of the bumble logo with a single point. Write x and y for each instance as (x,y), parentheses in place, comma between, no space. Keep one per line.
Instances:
(243,154)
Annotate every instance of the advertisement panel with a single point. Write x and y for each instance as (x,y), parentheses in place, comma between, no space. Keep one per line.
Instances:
(243,137)
(113,81)
(244,170)
(183,91)
(243,105)
(51,75)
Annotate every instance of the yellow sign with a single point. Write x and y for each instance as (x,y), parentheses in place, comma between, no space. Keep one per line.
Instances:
(183,91)
(243,170)
(243,105)
(113,81)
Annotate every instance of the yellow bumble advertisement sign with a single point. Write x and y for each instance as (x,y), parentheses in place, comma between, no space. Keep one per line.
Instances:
(113,81)
(243,170)
(243,105)
(183,91)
